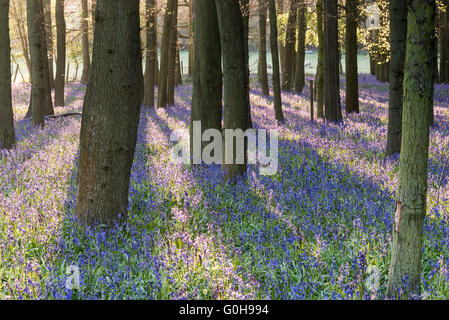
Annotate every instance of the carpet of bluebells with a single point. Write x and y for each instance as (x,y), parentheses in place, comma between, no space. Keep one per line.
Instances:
(312,231)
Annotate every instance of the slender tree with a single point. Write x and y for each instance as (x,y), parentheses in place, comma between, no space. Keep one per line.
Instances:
(352,82)
(235,78)
(398,44)
(35,21)
(172,53)
(207,74)
(406,256)
(300,76)
(332,102)
(7,135)
(275,62)
(444,43)
(49,40)
(85,40)
(151,53)
(290,43)
(165,47)
(320,66)
(263,76)
(61,53)
(191,37)
(111,114)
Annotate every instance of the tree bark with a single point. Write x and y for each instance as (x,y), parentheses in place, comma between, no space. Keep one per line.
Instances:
(406,256)
(290,42)
(49,41)
(320,67)
(235,78)
(275,62)
(111,114)
(332,102)
(398,45)
(151,54)
(300,77)
(172,57)
(191,37)
(352,81)
(444,44)
(7,134)
(263,76)
(85,40)
(61,53)
(165,47)
(207,74)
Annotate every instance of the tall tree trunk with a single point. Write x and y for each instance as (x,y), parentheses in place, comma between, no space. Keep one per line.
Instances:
(207,75)
(35,18)
(49,40)
(275,62)
(85,40)
(191,37)
(300,77)
(17,12)
(245,10)
(406,256)
(151,54)
(235,79)
(332,102)
(320,66)
(352,81)
(290,42)
(172,57)
(165,48)
(281,43)
(398,44)
(7,134)
(263,76)
(444,43)
(61,53)
(111,114)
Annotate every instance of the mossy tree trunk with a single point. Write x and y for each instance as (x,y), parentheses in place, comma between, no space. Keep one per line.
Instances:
(290,43)
(398,45)
(406,256)
(49,41)
(171,74)
(111,114)
(7,134)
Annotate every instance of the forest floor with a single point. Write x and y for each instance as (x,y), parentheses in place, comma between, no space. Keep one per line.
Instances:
(315,230)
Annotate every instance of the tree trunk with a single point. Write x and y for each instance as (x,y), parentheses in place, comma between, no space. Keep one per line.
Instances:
(245,10)
(165,47)
(111,114)
(444,44)
(235,79)
(191,37)
(300,77)
(61,54)
(319,83)
(172,57)
(406,256)
(35,18)
(7,134)
(352,81)
(207,75)
(290,42)
(331,62)
(398,44)
(85,40)
(151,54)
(263,76)
(49,40)
(275,62)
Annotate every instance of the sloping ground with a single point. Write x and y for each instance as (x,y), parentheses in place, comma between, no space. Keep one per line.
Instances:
(311,231)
